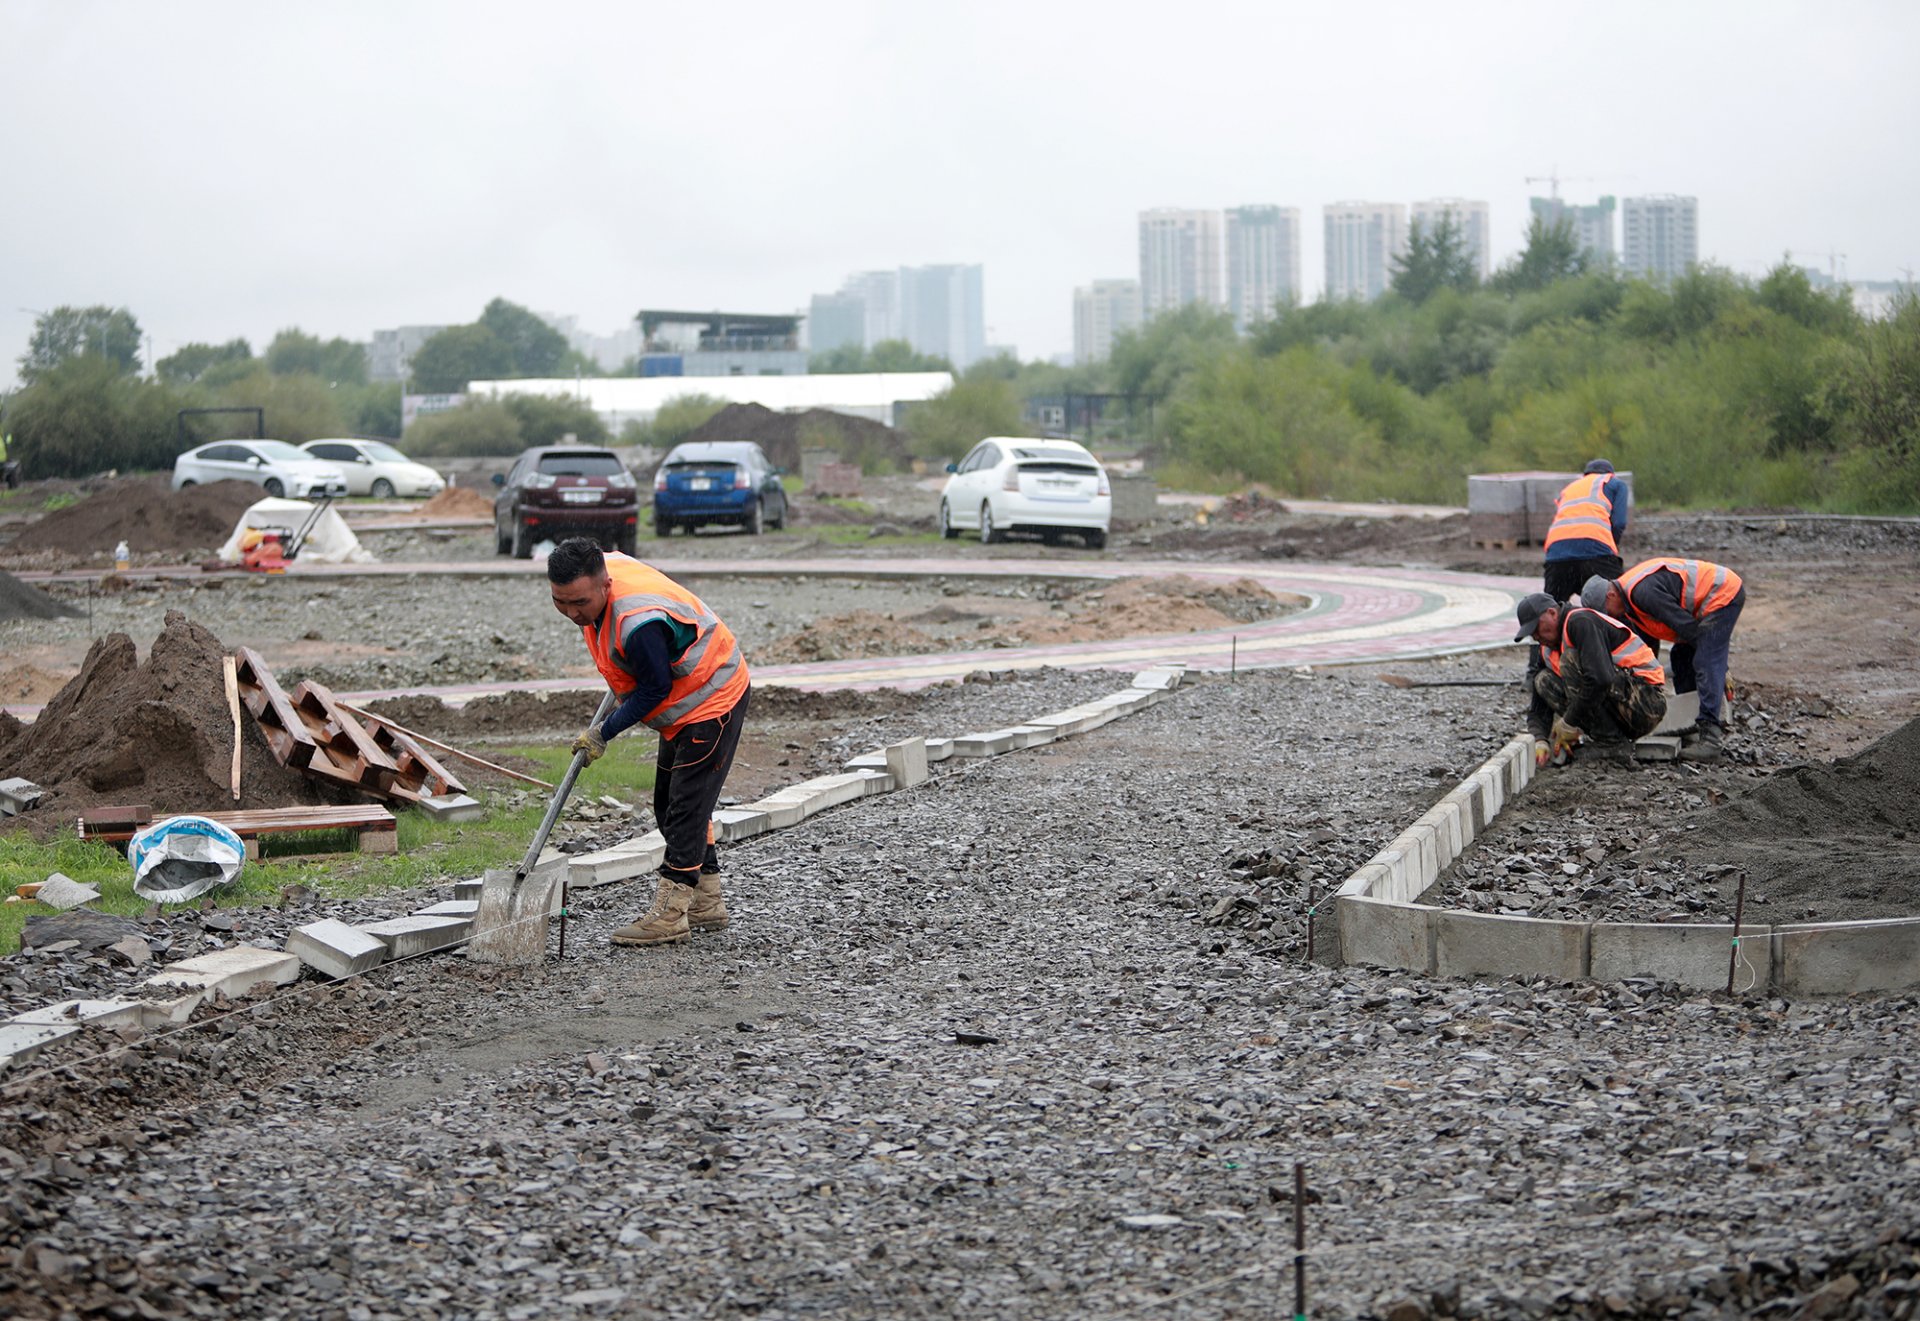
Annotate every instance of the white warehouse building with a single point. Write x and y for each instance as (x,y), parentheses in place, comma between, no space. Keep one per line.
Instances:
(622,399)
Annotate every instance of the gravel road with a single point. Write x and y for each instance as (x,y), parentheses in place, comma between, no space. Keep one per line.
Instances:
(997,1046)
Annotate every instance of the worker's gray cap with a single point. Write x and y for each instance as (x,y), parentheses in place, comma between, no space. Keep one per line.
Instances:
(1593,594)
(1531,607)
(1597,465)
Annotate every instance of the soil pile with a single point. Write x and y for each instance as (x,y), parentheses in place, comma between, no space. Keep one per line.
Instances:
(146,515)
(1844,835)
(157,733)
(1146,607)
(20,600)
(852,636)
(458,502)
(783,435)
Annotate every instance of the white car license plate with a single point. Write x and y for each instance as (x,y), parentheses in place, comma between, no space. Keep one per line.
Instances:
(581,497)
(699,483)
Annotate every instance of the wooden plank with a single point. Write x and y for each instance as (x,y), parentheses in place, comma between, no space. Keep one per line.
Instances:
(365,817)
(421,776)
(285,732)
(229,671)
(347,753)
(373,719)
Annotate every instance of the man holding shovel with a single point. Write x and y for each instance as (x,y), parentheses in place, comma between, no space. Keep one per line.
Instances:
(672,665)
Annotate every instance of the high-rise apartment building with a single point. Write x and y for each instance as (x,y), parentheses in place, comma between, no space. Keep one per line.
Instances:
(1469,218)
(1101,311)
(1362,240)
(1263,260)
(942,312)
(1659,236)
(1592,225)
(390,351)
(835,321)
(1180,260)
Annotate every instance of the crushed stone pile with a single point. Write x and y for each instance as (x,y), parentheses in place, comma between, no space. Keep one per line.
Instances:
(20,600)
(458,502)
(1842,834)
(159,732)
(783,435)
(145,514)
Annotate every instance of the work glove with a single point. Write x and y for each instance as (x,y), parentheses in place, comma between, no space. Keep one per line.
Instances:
(592,742)
(1541,751)
(1565,737)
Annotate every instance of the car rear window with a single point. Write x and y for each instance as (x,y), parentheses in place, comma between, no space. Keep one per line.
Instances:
(679,465)
(1066,458)
(579,465)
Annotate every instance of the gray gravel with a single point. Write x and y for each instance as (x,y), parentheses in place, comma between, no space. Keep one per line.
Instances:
(785,1120)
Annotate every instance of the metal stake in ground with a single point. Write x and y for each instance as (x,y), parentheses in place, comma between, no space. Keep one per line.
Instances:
(1739,911)
(1299,1242)
(510,925)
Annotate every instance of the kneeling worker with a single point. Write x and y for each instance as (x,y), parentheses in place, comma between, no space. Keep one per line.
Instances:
(677,668)
(1600,677)
(1694,605)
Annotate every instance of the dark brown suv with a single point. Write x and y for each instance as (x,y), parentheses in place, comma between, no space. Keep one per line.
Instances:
(559,491)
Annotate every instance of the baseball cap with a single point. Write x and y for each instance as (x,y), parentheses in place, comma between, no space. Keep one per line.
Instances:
(1593,595)
(1597,465)
(1531,607)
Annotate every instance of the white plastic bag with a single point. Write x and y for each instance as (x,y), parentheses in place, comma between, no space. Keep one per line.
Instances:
(183,857)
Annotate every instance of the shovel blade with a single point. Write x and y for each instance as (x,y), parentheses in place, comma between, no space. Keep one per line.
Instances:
(510,926)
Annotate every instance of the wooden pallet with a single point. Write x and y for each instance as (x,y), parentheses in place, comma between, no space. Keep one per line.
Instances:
(309,732)
(373,824)
(420,774)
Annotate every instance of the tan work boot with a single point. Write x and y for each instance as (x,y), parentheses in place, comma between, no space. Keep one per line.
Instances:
(708,912)
(663,924)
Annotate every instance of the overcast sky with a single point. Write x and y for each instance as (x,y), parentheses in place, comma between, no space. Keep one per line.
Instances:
(229,169)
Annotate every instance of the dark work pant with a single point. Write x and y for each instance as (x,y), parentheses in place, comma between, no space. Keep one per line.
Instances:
(1563,579)
(1622,708)
(1702,663)
(687,778)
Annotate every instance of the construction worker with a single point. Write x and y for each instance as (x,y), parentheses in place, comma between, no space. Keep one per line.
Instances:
(1694,605)
(9,470)
(1600,679)
(1589,518)
(676,667)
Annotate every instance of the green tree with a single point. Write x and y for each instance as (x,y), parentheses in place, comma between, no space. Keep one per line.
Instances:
(192,362)
(86,415)
(299,407)
(954,421)
(370,410)
(109,333)
(533,347)
(1432,262)
(1154,360)
(457,356)
(1787,290)
(547,419)
(477,427)
(1552,253)
(674,420)
(335,361)
(889,355)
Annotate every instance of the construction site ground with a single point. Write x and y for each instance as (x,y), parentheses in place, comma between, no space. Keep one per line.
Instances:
(1039,1037)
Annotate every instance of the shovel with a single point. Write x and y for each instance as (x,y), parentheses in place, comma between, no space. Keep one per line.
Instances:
(510,926)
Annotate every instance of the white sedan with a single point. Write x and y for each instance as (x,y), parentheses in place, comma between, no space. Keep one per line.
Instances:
(376,468)
(1009,484)
(275,466)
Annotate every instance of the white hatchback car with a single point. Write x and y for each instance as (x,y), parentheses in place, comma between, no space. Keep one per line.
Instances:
(376,468)
(1011,484)
(274,465)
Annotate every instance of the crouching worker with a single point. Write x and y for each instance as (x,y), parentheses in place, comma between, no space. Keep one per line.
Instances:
(1600,678)
(1693,604)
(677,668)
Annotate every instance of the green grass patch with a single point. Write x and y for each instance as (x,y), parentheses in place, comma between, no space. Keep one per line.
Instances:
(431,852)
(853,534)
(63,500)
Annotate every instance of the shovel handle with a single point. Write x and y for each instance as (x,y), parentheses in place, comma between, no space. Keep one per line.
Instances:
(560,797)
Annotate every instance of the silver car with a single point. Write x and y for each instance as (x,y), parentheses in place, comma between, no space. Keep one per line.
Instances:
(273,465)
(376,468)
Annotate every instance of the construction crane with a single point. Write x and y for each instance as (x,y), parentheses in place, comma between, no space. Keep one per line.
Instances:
(1553,180)
(1835,262)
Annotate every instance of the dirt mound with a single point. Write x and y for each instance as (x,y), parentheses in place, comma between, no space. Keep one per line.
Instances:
(458,502)
(1843,834)
(783,435)
(157,732)
(1147,607)
(20,600)
(852,636)
(145,514)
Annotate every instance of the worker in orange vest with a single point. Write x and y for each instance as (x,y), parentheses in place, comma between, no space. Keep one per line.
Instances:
(1589,518)
(1694,605)
(1600,678)
(677,668)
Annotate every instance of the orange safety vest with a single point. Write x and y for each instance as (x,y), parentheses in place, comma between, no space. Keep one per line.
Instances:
(1582,510)
(708,677)
(1704,588)
(1632,657)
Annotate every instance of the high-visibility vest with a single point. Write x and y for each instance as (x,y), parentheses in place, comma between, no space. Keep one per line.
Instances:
(1632,656)
(1704,588)
(1583,510)
(708,677)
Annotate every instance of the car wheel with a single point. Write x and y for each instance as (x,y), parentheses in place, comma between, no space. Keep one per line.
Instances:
(757,519)
(1050,536)
(383,489)
(628,542)
(274,487)
(947,529)
(502,542)
(780,524)
(988,532)
(1096,538)
(522,542)
(662,526)
(189,482)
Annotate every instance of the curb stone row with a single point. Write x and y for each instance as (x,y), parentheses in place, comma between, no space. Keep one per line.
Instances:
(1382,923)
(335,949)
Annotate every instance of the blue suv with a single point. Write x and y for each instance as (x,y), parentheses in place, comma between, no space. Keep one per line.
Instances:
(717,481)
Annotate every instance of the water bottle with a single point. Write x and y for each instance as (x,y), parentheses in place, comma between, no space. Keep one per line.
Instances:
(122,558)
